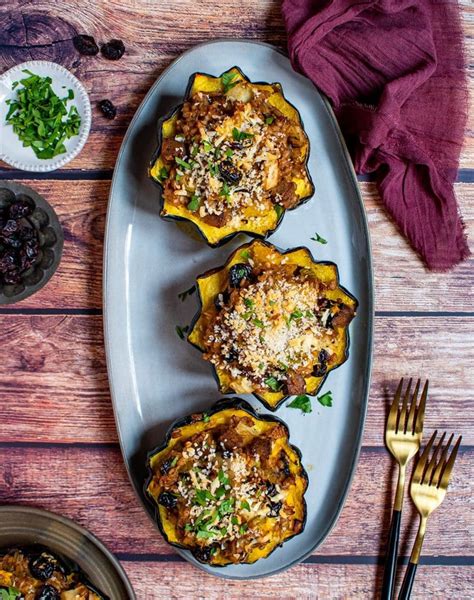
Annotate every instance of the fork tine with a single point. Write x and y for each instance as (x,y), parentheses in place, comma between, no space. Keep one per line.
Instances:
(420,465)
(449,465)
(402,417)
(432,463)
(441,463)
(411,415)
(392,415)
(420,413)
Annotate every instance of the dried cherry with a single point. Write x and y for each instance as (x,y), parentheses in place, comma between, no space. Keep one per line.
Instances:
(113,50)
(108,109)
(85,44)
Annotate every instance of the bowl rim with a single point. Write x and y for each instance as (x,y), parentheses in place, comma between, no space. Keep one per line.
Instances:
(17,510)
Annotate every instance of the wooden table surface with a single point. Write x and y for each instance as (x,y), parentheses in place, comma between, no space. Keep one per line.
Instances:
(58,443)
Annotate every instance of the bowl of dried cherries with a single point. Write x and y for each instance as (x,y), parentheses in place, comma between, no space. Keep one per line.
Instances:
(31,242)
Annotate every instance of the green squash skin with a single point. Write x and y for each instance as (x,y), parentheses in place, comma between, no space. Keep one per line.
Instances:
(157,153)
(223,404)
(283,252)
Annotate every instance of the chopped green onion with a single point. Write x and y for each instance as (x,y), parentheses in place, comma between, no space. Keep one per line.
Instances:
(272,383)
(318,238)
(182,163)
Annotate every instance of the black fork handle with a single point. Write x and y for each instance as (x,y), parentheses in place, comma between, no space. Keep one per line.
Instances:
(388,582)
(408,580)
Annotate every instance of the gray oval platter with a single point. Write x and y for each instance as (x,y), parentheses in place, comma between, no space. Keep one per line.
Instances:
(155,377)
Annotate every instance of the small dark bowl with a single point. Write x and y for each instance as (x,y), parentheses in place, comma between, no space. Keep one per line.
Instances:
(50,237)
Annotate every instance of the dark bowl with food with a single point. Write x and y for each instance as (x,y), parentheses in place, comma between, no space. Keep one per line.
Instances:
(31,242)
(44,556)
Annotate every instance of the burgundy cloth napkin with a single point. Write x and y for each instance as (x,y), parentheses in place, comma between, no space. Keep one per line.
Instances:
(394,72)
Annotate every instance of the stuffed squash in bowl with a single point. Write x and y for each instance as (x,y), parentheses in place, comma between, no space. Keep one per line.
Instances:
(227,485)
(232,158)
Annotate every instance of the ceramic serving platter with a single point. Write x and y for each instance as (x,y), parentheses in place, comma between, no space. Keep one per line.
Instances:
(155,377)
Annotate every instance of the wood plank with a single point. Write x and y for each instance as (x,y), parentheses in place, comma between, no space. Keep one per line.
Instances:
(90,485)
(81,206)
(55,365)
(43,30)
(152,581)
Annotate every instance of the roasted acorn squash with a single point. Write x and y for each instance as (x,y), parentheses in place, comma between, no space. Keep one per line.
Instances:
(232,158)
(227,485)
(272,323)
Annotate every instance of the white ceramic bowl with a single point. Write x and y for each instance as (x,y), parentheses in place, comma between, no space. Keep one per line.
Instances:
(11,148)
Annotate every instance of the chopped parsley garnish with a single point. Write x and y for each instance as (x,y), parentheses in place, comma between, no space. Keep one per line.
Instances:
(302,402)
(193,204)
(225,191)
(296,314)
(214,170)
(244,505)
(229,152)
(40,118)
(207,146)
(240,135)
(206,418)
(203,534)
(226,507)
(269,120)
(178,176)
(228,81)
(258,323)
(183,295)
(318,238)
(202,496)
(220,492)
(234,521)
(248,302)
(243,528)
(194,151)
(9,593)
(163,174)
(325,399)
(223,478)
(245,254)
(272,383)
(181,331)
(278,209)
(182,163)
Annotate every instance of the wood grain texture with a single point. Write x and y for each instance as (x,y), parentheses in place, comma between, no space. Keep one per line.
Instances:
(81,206)
(320,582)
(55,366)
(41,29)
(90,485)
(58,440)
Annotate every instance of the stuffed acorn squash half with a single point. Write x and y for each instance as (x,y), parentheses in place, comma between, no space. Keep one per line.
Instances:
(227,485)
(272,323)
(232,158)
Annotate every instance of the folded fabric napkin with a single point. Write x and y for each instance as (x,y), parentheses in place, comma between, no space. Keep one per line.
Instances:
(394,72)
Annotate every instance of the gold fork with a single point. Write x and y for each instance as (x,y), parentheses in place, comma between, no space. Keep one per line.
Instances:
(403,434)
(427,490)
